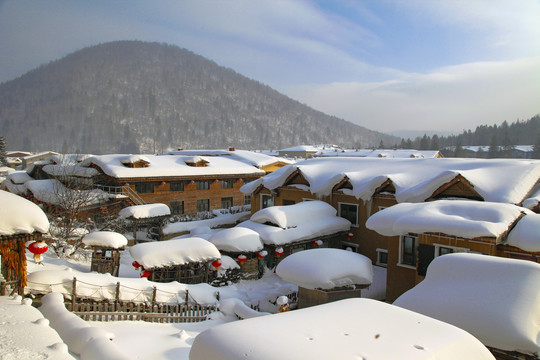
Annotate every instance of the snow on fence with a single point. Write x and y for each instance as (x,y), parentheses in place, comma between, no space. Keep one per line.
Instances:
(119,302)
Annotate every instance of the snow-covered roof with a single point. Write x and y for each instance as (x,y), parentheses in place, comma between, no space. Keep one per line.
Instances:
(326,269)
(26,334)
(174,252)
(20,216)
(52,191)
(145,211)
(256,159)
(497,180)
(300,148)
(108,239)
(292,223)
(170,166)
(526,235)
(495,299)
(346,329)
(237,239)
(70,170)
(463,218)
(19,177)
(380,153)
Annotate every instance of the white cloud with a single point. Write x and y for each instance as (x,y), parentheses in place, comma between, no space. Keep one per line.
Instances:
(451,98)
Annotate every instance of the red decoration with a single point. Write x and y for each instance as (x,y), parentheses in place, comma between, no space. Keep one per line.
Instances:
(262,254)
(136,265)
(216,264)
(350,236)
(242,259)
(279,252)
(317,243)
(37,248)
(146,274)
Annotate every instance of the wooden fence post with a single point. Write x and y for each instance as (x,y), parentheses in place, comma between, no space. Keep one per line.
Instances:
(73,293)
(3,288)
(117,296)
(154,296)
(187,296)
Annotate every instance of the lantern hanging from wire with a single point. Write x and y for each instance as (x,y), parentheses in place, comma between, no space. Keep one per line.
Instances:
(37,248)
(317,243)
(350,236)
(146,273)
(136,264)
(279,252)
(262,254)
(216,264)
(242,259)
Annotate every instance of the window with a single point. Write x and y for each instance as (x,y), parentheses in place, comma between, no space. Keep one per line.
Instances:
(346,245)
(382,257)
(446,249)
(177,207)
(203,185)
(226,202)
(144,188)
(266,201)
(177,186)
(349,212)
(227,184)
(409,246)
(247,199)
(203,205)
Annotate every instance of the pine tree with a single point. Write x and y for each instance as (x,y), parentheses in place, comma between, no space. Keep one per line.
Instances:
(3,152)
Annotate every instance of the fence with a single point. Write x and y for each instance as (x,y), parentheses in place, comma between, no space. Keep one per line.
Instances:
(119,302)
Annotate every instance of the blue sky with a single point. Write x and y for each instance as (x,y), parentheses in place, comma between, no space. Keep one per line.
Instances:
(384,64)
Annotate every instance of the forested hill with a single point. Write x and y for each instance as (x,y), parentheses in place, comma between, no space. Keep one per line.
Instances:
(132,96)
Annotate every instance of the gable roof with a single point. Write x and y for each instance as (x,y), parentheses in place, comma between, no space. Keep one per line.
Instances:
(462,218)
(256,159)
(171,166)
(415,180)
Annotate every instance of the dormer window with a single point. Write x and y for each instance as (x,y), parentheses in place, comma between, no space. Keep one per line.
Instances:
(196,161)
(135,161)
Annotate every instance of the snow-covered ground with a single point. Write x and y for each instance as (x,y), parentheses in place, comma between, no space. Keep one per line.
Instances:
(173,341)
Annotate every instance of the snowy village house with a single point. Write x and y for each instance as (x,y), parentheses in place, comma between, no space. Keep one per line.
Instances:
(185,260)
(360,187)
(187,184)
(285,230)
(20,221)
(105,246)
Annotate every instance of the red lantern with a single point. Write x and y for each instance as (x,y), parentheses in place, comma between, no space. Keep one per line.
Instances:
(37,248)
(350,236)
(317,243)
(242,259)
(262,254)
(216,264)
(146,274)
(136,265)
(279,252)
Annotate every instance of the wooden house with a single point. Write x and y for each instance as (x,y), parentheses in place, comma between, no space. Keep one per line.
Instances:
(285,230)
(360,187)
(105,246)
(20,221)
(187,184)
(146,220)
(422,232)
(186,260)
(244,246)
(326,275)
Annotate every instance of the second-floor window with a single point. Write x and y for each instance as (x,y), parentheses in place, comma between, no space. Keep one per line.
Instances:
(349,212)
(177,186)
(409,247)
(227,184)
(203,185)
(144,188)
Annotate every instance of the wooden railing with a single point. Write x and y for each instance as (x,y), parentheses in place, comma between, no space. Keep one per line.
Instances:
(125,190)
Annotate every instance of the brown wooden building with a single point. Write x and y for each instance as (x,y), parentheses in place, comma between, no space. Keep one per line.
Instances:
(360,187)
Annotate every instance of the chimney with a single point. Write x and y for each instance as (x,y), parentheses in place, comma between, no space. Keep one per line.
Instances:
(231,148)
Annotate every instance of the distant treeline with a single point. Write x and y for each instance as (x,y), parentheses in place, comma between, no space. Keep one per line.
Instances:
(500,140)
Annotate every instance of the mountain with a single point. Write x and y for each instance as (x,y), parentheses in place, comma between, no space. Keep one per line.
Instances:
(133,96)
